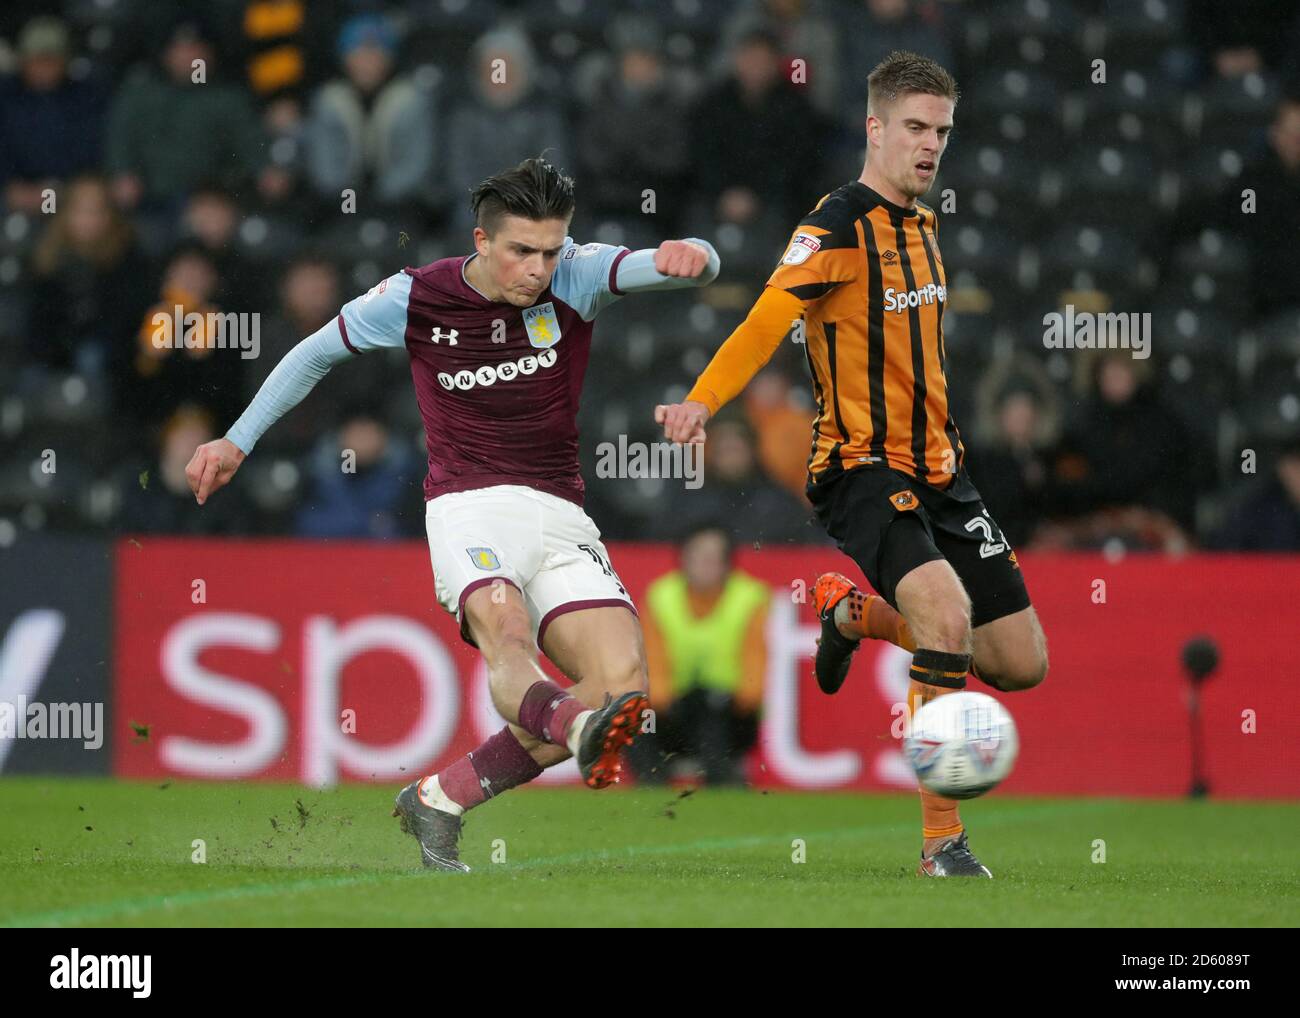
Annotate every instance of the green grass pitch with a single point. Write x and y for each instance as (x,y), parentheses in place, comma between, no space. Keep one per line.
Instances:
(115,853)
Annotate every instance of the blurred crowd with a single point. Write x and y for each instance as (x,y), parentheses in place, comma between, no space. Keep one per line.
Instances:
(279,157)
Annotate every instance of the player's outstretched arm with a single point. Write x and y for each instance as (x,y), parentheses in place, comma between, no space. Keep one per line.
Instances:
(215,463)
(674,264)
(738,360)
(377,319)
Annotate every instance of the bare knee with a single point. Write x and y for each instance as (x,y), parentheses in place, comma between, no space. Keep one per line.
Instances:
(622,673)
(951,629)
(1016,676)
(946,625)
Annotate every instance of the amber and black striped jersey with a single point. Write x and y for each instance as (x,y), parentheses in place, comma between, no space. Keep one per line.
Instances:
(873,287)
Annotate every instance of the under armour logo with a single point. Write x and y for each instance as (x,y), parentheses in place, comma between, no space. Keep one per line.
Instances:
(486,785)
(438,335)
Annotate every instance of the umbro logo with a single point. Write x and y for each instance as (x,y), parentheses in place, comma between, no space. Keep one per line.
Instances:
(437,335)
(889,256)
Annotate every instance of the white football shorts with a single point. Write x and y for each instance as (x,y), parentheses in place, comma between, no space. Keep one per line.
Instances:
(546,546)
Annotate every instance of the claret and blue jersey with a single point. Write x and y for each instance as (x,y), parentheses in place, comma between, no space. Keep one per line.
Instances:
(498,386)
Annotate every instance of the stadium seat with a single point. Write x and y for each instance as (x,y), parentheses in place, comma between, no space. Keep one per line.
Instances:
(1271,407)
(1020,90)
(1194,330)
(1109,253)
(996,169)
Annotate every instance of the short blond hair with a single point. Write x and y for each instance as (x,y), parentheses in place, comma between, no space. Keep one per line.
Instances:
(903,73)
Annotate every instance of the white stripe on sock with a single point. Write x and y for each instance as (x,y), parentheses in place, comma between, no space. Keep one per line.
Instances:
(431,794)
(575,730)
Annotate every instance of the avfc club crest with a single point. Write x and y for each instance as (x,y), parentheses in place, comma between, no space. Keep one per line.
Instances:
(484,558)
(543,325)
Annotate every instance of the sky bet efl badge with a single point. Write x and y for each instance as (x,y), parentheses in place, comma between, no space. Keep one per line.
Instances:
(801,248)
(542,325)
(484,558)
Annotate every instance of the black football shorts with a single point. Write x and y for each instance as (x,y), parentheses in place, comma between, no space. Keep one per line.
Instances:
(889,524)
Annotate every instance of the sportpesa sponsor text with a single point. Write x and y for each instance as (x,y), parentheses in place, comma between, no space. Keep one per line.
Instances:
(901,300)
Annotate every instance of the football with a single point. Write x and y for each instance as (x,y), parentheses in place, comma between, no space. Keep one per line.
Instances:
(961,745)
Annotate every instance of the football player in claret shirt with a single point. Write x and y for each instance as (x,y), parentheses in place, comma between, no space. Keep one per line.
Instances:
(498,341)
(863,279)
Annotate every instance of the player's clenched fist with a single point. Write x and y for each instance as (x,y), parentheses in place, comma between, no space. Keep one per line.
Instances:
(681,258)
(683,422)
(212,466)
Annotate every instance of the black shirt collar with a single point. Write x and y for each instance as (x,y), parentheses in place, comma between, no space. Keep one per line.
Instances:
(870,197)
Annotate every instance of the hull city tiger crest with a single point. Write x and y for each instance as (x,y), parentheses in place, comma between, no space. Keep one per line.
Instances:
(543,325)
(903,500)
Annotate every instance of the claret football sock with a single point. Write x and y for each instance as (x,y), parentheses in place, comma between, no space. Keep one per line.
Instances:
(499,764)
(934,674)
(871,616)
(547,712)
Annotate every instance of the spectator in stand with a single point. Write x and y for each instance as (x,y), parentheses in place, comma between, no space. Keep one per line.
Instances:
(1011,459)
(506,118)
(50,126)
(736,489)
(168,132)
(1125,450)
(1268,518)
(284,46)
(362,484)
(784,427)
(171,361)
(158,499)
(211,218)
(1272,231)
(742,125)
(635,135)
(373,129)
(1243,37)
(90,282)
(706,651)
(805,32)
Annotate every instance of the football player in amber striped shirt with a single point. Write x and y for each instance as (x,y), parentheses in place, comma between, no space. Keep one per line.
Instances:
(862,284)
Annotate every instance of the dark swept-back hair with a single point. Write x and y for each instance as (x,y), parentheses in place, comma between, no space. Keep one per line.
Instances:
(532,190)
(902,73)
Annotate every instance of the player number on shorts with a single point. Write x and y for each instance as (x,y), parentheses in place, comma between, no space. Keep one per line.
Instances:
(605,567)
(991,546)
